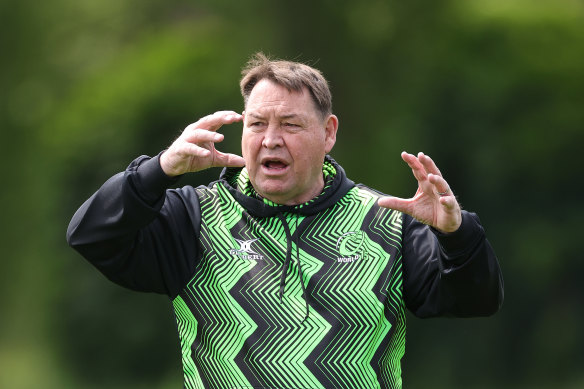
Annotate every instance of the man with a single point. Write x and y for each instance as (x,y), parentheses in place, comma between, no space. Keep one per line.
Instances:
(284,273)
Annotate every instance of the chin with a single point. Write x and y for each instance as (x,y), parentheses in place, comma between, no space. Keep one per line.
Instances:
(271,193)
(277,195)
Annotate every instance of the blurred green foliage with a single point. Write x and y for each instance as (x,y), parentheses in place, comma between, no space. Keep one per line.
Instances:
(493,90)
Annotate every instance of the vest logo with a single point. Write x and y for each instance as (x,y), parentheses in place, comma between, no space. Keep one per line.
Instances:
(351,247)
(245,251)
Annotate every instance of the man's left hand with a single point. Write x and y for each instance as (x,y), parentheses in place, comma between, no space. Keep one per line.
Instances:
(434,203)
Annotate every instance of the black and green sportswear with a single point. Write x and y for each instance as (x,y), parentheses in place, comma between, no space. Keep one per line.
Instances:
(271,296)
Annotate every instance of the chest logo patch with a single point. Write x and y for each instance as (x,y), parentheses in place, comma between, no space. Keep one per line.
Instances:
(351,247)
(245,251)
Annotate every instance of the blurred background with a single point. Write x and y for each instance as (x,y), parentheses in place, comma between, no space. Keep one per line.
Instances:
(492,90)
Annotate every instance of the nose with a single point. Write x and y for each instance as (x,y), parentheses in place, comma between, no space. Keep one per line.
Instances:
(272,137)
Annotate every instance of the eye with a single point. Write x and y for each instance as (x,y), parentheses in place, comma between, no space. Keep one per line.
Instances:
(256,126)
(291,125)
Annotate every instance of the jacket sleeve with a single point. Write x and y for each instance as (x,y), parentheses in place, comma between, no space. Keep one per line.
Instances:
(454,274)
(137,232)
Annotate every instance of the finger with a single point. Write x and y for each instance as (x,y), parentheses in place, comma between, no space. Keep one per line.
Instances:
(440,185)
(449,202)
(193,150)
(416,166)
(198,136)
(214,121)
(428,164)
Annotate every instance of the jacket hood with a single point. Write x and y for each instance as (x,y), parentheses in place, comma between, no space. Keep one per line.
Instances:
(236,180)
(336,185)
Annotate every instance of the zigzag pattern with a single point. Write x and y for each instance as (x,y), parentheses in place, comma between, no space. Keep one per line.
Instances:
(241,335)
(187,329)
(386,227)
(278,348)
(224,324)
(349,291)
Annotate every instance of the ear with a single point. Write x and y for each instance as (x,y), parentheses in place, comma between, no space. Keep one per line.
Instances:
(331,126)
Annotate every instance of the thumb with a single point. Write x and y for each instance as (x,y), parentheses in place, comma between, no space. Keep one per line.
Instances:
(396,203)
(228,160)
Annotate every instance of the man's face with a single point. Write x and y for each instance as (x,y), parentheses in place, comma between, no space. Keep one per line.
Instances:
(284,143)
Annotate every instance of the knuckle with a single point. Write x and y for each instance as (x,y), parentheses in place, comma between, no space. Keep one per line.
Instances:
(191,127)
(223,113)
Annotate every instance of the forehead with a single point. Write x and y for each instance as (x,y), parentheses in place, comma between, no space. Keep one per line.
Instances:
(267,97)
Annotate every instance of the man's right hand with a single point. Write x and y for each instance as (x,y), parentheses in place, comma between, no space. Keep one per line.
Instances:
(194,149)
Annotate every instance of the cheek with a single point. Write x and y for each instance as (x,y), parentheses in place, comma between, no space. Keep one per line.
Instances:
(243,147)
(248,145)
(245,139)
(313,148)
(309,157)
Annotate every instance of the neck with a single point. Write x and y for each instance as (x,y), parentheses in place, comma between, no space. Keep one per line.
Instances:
(294,200)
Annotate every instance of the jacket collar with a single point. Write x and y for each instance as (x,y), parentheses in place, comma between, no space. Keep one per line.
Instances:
(337,185)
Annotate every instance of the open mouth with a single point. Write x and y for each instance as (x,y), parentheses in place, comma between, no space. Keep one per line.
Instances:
(274,165)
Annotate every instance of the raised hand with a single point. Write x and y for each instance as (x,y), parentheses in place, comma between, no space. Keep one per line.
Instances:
(434,203)
(194,149)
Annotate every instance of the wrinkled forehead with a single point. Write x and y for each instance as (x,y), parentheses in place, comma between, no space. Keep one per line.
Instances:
(269,98)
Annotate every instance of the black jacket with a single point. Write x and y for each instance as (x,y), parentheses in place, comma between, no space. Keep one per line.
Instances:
(330,277)
(133,224)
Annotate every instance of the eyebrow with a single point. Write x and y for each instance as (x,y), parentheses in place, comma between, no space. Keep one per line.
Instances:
(255,115)
(289,116)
